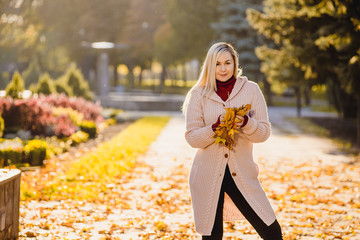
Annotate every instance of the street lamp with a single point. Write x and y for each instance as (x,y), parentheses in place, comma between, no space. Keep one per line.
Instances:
(102,65)
(102,45)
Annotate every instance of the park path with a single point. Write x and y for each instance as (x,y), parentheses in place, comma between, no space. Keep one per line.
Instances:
(313,187)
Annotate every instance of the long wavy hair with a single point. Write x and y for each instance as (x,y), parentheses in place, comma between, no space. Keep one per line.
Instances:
(206,78)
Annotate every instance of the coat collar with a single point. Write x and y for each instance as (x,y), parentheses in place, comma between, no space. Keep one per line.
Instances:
(237,87)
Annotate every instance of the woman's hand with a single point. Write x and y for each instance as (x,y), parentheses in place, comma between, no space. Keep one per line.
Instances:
(215,125)
(242,121)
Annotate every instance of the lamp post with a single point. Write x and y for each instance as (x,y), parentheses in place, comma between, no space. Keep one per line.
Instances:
(102,65)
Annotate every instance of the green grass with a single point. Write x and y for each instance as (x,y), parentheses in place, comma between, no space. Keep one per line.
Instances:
(323,108)
(279,103)
(308,127)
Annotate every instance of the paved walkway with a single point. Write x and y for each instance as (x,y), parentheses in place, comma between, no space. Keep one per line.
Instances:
(281,157)
(315,192)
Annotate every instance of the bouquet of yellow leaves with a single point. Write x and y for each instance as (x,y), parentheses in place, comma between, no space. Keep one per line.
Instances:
(225,131)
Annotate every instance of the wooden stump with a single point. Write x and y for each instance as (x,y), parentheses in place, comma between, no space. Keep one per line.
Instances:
(9,203)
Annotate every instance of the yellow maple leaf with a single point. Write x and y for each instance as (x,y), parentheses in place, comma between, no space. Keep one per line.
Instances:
(225,131)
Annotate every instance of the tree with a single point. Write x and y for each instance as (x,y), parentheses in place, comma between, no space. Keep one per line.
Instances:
(324,39)
(142,21)
(184,15)
(16,86)
(45,85)
(280,66)
(75,80)
(19,34)
(164,51)
(233,27)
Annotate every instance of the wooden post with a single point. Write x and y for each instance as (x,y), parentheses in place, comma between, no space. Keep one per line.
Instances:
(9,203)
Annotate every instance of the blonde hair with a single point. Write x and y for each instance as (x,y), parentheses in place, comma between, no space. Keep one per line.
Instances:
(207,75)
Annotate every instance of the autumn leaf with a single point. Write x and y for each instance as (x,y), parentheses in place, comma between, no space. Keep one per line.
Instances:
(225,131)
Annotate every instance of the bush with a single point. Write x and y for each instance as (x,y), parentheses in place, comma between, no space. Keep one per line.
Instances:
(37,115)
(62,87)
(57,146)
(11,152)
(89,127)
(79,86)
(15,87)
(64,127)
(75,116)
(35,152)
(34,115)
(28,114)
(91,111)
(45,85)
(9,114)
(74,80)
(78,137)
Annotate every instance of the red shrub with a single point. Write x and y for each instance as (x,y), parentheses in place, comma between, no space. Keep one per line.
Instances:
(64,127)
(35,114)
(91,111)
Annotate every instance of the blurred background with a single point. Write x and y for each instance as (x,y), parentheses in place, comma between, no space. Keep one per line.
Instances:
(301,53)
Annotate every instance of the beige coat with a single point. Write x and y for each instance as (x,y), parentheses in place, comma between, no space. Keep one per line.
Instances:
(210,161)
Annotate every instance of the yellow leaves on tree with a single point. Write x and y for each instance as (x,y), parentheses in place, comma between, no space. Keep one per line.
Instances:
(226,130)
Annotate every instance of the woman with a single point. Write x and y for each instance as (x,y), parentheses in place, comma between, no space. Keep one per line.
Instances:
(224,183)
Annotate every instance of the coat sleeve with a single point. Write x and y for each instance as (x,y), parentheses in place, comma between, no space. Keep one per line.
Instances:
(258,127)
(197,134)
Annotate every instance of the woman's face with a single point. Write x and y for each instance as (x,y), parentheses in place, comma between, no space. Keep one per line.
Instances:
(224,67)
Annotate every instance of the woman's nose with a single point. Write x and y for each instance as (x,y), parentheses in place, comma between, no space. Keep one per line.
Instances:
(223,67)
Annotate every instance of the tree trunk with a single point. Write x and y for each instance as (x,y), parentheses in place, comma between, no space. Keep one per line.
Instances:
(131,79)
(307,95)
(298,100)
(175,76)
(349,105)
(344,103)
(162,79)
(267,91)
(141,76)
(184,73)
(358,123)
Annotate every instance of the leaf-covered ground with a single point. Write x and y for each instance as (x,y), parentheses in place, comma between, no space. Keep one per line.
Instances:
(313,187)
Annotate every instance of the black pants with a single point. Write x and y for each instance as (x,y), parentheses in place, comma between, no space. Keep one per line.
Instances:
(272,232)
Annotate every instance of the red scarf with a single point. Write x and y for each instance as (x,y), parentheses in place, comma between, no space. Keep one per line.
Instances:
(224,88)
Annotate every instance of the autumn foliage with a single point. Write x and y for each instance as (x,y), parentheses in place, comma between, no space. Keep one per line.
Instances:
(226,130)
(86,177)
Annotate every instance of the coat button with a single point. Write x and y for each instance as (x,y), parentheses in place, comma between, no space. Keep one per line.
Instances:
(234,174)
(226,155)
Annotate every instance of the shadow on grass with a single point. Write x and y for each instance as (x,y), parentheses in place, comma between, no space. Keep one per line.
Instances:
(341,131)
